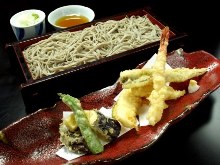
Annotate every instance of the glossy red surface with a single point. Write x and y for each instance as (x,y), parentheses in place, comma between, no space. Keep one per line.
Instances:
(35,138)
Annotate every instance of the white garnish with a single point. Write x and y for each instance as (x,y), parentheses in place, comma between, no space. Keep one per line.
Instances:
(28,19)
(193,86)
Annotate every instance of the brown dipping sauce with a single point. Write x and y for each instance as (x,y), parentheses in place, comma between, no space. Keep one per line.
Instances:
(71,20)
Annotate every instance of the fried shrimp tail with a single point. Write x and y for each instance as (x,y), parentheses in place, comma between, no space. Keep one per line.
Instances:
(162,52)
(157,97)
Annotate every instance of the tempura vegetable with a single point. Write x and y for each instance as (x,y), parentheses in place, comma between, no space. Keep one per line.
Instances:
(70,123)
(90,137)
(73,141)
(143,77)
(106,127)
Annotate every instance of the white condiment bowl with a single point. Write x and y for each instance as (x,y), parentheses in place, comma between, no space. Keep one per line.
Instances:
(28,23)
(70,10)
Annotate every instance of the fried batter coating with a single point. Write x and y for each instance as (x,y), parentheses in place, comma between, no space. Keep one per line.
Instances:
(143,91)
(135,77)
(143,77)
(150,84)
(183,74)
(126,107)
(158,95)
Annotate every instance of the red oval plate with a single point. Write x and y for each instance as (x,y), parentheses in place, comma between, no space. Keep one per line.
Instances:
(35,138)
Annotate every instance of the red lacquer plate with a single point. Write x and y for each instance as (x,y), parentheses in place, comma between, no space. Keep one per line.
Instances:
(35,138)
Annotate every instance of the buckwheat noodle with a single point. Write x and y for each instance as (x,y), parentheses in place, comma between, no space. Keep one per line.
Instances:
(65,50)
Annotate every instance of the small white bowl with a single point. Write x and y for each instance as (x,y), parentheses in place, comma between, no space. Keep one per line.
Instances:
(70,10)
(28,23)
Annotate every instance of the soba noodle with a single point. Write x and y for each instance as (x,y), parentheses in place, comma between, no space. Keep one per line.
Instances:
(65,50)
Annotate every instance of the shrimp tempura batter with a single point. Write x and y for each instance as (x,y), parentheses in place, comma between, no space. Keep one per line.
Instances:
(150,85)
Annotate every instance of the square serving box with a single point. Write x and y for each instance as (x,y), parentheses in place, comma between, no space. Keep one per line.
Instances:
(86,78)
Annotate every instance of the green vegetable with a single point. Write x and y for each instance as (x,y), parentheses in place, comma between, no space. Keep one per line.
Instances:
(36,16)
(106,127)
(92,141)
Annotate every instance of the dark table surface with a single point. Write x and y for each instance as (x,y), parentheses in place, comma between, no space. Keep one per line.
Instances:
(194,140)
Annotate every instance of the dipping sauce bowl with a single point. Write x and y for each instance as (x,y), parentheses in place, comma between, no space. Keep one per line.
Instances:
(70,15)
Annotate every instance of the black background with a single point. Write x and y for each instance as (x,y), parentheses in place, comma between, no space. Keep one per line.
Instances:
(194,140)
